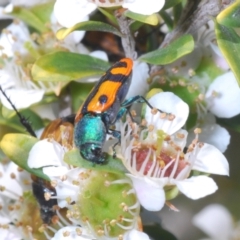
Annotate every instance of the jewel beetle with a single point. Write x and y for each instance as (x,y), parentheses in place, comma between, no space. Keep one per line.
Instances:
(102,108)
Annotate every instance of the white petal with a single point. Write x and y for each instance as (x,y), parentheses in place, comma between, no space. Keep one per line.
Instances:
(215,135)
(45,153)
(75,37)
(99,54)
(218,58)
(180,142)
(169,103)
(13,188)
(196,187)
(6,80)
(60,234)
(71,12)
(135,235)
(22,98)
(215,221)
(145,7)
(55,171)
(210,160)
(20,33)
(228,94)
(150,194)
(139,85)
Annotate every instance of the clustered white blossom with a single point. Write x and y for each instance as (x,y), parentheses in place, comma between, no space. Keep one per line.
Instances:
(162,158)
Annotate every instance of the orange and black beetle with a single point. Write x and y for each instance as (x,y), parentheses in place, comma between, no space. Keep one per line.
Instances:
(102,108)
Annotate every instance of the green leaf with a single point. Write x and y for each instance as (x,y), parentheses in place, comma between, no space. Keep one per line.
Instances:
(79,93)
(171,53)
(109,15)
(167,19)
(230,16)
(17,148)
(30,18)
(10,119)
(171,3)
(87,26)
(113,165)
(67,66)
(43,11)
(148,19)
(229,44)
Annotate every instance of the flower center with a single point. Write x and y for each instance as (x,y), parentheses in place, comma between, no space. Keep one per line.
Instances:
(107,205)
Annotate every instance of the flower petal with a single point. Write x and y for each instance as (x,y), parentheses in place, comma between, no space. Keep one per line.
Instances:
(210,160)
(144,7)
(134,234)
(169,103)
(196,187)
(73,234)
(228,94)
(99,54)
(45,153)
(139,85)
(150,194)
(14,39)
(21,98)
(55,171)
(215,135)
(215,221)
(71,12)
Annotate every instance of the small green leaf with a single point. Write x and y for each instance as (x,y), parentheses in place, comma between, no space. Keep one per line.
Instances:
(29,18)
(109,15)
(43,11)
(87,26)
(17,147)
(67,66)
(79,93)
(10,119)
(167,19)
(229,44)
(171,3)
(113,165)
(230,16)
(148,19)
(171,53)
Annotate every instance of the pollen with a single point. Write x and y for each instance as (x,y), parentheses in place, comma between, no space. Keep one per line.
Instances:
(66,234)
(197,130)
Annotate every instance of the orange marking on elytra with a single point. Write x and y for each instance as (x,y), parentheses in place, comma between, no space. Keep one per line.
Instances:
(123,70)
(108,88)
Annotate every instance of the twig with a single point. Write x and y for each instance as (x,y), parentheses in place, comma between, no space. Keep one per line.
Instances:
(128,41)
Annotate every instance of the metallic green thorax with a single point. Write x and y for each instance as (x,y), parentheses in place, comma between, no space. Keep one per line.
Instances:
(89,137)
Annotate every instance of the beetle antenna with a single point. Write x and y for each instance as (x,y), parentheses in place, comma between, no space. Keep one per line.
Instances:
(24,121)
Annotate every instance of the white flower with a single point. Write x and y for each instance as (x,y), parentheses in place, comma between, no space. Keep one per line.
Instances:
(212,133)
(13,38)
(217,223)
(155,158)
(223,96)
(14,80)
(72,12)
(72,233)
(13,181)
